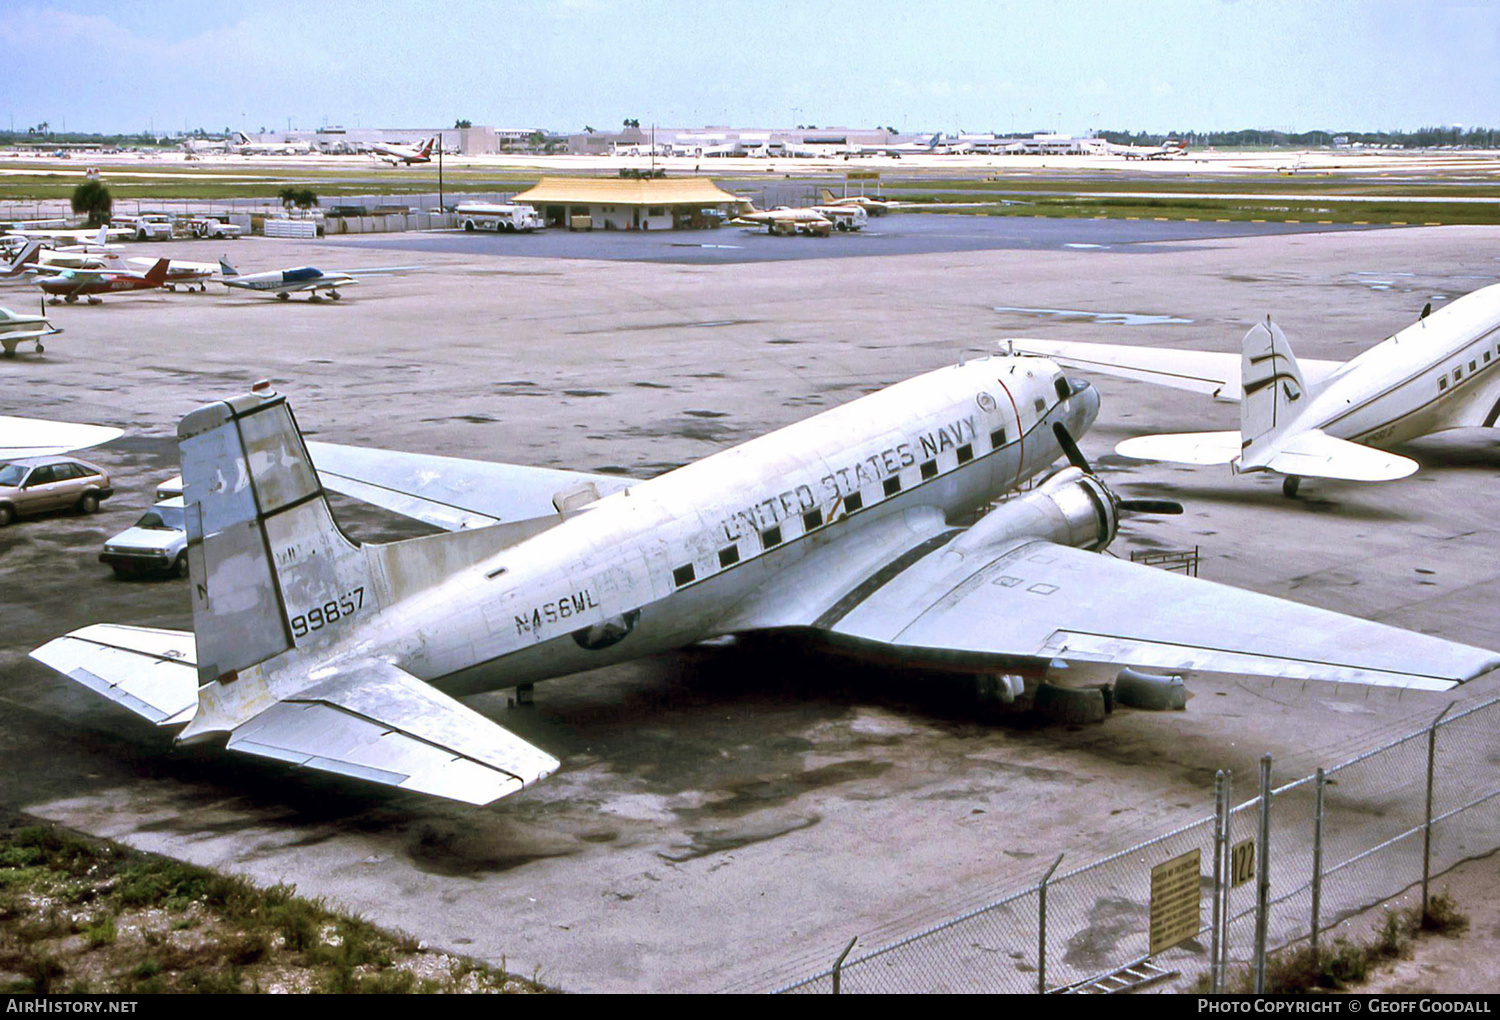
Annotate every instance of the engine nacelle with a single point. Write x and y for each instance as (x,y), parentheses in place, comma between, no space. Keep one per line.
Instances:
(1070,508)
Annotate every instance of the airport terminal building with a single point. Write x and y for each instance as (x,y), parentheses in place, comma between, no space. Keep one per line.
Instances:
(607,203)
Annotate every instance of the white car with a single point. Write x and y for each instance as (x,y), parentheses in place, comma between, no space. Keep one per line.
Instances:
(156,543)
(205,226)
(169,488)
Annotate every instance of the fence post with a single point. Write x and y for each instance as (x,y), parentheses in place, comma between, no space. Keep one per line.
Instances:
(1317,875)
(838,965)
(1041,928)
(1427,816)
(1263,875)
(1227,916)
(1221,797)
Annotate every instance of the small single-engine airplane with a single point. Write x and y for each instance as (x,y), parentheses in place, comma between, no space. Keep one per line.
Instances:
(286,282)
(71,284)
(1320,419)
(848,526)
(180,273)
(404,155)
(17,328)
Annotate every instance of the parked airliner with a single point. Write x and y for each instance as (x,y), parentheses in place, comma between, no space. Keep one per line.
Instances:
(849,527)
(1304,418)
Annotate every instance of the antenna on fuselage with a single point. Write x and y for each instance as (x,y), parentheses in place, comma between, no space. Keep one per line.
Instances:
(1426,311)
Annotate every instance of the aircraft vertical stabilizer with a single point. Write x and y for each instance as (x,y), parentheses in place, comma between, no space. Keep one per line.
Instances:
(1272,384)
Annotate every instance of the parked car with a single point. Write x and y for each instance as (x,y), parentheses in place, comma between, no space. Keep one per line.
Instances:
(36,485)
(169,488)
(155,543)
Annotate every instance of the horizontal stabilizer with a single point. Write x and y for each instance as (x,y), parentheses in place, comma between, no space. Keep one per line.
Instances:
(375,722)
(448,492)
(152,672)
(1058,602)
(1184,447)
(1315,454)
(37,437)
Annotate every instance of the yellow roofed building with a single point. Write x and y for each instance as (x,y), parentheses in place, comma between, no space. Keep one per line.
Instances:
(608,203)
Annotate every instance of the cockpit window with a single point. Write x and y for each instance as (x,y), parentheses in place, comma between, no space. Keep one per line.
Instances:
(1063,389)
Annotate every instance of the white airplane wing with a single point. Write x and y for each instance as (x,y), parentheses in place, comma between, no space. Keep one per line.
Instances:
(1211,372)
(1184,447)
(37,437)
(1034,600)
(450,492)
(1316,454)
(375,722)
(152,672)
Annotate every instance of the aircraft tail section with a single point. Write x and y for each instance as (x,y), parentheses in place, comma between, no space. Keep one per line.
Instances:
(270,569)
(23,259)
(157,274)
(826,196)
(226,267)
(1272,383)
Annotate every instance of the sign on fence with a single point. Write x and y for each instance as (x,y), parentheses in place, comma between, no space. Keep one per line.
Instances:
(1241,863)
(1175,901)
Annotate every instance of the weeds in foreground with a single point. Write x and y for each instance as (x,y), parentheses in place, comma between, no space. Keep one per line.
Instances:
(1346,963)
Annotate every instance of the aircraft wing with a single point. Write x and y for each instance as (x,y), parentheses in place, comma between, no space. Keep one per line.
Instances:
(1211,372)
(1316,454)
(36,437)
(375,722)
(152,672)
(1030,600)
(450,492)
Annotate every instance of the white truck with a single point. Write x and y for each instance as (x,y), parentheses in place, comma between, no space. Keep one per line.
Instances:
(207,226)
(501,218)
(147,226)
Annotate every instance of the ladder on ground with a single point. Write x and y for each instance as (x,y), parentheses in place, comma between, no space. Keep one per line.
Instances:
(1126,979)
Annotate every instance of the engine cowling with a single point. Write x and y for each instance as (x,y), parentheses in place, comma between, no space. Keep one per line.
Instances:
(1070,508)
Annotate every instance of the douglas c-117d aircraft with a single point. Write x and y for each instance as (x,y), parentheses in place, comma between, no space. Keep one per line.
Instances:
(313,650)
(1320,419)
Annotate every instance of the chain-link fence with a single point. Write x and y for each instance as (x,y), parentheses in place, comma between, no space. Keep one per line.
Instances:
(1277,869)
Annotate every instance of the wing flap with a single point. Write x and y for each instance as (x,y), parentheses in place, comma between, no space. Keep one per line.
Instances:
(1039,600)
(449,492)
(375,722)
(150,671)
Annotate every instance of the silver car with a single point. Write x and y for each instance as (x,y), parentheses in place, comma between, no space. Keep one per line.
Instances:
(36,485)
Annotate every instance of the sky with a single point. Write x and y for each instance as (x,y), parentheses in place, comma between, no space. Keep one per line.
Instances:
(950,65)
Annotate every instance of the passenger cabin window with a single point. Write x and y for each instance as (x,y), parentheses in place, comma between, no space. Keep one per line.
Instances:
(1473,367)
(965,453)
(729,556)
(929,469)
(683,575)
(1443,383)
(1458,373)
(854,501)
(770,537)
(812,519)
(892,485)
(997,439)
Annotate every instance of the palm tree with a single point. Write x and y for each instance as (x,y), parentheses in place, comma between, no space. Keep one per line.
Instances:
(93,198)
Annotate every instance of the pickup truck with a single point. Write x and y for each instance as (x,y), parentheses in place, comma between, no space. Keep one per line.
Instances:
(148,226)
(207,226)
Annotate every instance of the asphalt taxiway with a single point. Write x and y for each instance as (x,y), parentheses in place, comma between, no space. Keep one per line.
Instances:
(728,819)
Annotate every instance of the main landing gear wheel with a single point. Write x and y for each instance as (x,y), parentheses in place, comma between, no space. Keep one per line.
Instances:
(283,296)
(315,296)
(333,294)
(39,349)
(1289,486)
(70,299)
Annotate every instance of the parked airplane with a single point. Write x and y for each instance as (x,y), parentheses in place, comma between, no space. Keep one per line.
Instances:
(23,263)
(17,328)
(80,237)
(346,658)
(1170,149)
(245,146)
(286,282)
(1305,418)
(404,155)
(816,220)
(37,437)
(931,147)
(179,273)
(71,284)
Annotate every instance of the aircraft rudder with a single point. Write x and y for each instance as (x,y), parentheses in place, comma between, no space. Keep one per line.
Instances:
(1271,380)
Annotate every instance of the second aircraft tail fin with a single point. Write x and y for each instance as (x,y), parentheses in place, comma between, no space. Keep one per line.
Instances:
(1272,384)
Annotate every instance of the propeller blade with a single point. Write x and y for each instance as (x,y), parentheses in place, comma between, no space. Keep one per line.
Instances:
(1151,506)
(1070,449)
